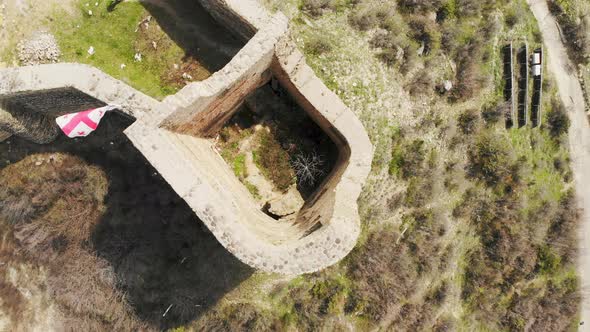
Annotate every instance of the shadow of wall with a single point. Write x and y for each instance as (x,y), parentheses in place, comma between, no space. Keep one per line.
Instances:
(161,252)
(191,27)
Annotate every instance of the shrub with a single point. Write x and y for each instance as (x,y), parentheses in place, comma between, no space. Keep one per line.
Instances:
(492,160)
(468,8)
(317,8)
(318,46)
(557,119)
(548,262)
(407,159)
(384,279)
(421,84)
(424,31)
(575,24)
(468,121)
(413,6)
(238,317)
(371,15)
(495,112)
(274,161)
(447,11)
(419,191)
(469,78)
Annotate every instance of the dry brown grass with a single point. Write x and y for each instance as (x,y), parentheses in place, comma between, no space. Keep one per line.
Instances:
(65,197)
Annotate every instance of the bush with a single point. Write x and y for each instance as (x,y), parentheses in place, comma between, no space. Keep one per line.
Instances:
(274,162)
(469,79)
(317,8)
(318,46)
(414,6)
(238,317)
(575,24)
(469,8)
(421,84)
(557,120)
(495,112)
(407,159)
(468,121)
(419,191)
(371,15)
(381,273)
(425,32)
(548,261)
(492,160)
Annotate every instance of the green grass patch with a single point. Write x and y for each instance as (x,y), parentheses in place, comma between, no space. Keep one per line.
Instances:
(116,39)
(239,166)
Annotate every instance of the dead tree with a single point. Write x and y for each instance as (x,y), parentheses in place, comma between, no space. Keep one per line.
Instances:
(308,168)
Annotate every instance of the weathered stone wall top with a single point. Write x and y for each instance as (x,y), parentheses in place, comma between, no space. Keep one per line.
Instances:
(82,77)
(250,65)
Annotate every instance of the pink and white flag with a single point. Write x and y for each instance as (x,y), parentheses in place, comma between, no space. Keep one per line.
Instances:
(81,124)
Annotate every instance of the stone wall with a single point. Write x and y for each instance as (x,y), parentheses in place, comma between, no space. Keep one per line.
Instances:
(327,227)
(173,136)
(87,79)
(201,108)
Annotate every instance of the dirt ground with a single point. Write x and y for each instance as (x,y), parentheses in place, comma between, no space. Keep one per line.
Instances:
(161,254)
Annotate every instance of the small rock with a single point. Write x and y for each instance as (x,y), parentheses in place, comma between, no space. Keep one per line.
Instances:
(154,45)
(90,12)
(448,85)
(137,57)
(38,163)
(286,205)
(187,76)
(421,49)
(123,66)
(91,50)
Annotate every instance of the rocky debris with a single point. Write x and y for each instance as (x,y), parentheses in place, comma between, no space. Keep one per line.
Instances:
(448,85)
(288,204)
(39,49)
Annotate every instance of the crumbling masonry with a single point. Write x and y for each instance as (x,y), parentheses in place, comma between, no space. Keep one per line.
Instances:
(174,135)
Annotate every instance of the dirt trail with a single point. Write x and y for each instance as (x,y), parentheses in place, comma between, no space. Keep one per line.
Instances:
(571,95)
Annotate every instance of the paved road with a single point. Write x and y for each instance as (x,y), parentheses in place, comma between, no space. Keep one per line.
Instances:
(579,138)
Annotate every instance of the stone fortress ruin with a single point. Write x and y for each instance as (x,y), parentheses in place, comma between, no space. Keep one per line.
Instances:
(176,137)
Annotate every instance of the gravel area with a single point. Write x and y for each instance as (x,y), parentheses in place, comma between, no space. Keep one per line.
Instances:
(39,49)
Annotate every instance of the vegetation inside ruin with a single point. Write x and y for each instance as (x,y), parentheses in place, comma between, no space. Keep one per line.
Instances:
(271,136)
(144,45)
